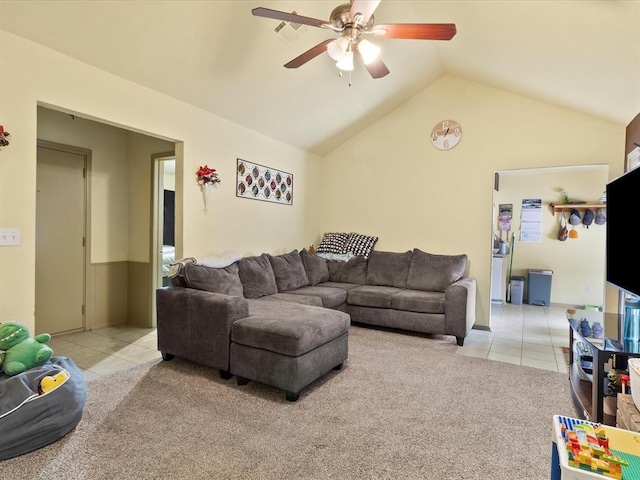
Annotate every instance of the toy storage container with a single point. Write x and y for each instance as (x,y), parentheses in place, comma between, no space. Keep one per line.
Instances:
(634,378)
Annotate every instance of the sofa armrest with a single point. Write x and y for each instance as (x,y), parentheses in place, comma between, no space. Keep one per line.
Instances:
(460,308)
(196,324)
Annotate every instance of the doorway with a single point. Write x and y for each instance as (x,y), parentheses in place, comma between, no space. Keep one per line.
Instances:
(61,226)
(577,264)
(163,245)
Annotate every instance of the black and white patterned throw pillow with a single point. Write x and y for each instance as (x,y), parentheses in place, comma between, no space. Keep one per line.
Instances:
(333,242)
(361,244)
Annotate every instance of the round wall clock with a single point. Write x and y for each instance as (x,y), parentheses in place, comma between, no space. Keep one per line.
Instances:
(446,134)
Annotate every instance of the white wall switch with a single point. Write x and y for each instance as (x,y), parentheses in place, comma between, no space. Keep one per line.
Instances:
(9,236)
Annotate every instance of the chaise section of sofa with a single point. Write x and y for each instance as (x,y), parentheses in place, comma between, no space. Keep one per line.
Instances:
(243,320)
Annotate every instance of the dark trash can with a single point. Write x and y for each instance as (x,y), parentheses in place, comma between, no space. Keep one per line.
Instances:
(539,291)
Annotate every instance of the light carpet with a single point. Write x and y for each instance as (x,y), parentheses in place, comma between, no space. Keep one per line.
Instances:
(403,407)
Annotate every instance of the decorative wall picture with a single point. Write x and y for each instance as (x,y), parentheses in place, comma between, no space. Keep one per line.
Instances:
(258,182)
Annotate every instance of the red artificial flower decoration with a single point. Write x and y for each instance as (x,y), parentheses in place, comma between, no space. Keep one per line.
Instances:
(207,175)
(4,137)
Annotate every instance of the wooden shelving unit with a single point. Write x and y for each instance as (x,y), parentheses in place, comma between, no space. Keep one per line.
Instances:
(561,207)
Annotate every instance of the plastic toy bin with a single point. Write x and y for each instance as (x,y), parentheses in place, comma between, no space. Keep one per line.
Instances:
(621,442)
(634,377)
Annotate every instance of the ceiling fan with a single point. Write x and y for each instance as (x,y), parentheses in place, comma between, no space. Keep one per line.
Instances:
(352,21)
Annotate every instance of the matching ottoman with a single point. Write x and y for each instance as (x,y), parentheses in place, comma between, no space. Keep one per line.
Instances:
(287,345)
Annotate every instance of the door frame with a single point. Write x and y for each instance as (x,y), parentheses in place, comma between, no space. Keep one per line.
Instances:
(87,314)
(157,202)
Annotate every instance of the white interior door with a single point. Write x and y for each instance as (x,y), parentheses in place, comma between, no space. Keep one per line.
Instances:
(60,238)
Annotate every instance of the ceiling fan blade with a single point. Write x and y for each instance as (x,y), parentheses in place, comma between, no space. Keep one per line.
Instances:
(308,55)
(377,68)
(418,31)
(289,17)
(365,7)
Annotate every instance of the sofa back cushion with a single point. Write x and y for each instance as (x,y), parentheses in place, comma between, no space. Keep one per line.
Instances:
(257,276)
(389,269)
(316,268)
(289,271)
(353,271)
(434,273)
(218,280)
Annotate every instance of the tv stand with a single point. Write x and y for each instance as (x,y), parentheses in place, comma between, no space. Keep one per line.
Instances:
(589,385)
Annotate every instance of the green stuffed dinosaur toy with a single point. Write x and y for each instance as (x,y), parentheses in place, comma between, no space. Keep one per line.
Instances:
(19,352)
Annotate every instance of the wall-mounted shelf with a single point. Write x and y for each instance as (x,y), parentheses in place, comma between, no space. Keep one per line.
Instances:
(561,207)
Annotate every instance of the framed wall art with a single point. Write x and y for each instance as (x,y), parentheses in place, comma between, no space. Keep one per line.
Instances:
(258,182)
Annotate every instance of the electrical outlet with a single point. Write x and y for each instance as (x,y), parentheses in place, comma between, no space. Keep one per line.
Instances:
(587,288)
(9,236)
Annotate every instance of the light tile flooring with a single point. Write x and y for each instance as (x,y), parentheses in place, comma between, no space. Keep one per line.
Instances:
(528,335)
(521,334)
(107,350)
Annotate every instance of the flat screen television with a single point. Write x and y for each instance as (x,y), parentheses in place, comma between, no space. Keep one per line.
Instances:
(623,248)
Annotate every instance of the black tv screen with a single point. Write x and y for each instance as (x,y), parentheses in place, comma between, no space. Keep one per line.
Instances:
(623,268)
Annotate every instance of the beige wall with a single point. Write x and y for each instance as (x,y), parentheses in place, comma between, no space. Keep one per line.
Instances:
(141,147)
(33,75)
(578,264)
(388,180)
(108,177)
(394,184)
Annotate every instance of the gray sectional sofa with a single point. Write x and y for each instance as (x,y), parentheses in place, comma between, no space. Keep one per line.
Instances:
(284,320)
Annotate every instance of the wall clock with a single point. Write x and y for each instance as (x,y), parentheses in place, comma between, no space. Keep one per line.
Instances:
(446,134)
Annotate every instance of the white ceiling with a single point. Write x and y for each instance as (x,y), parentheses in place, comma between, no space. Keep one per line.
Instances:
(580,54)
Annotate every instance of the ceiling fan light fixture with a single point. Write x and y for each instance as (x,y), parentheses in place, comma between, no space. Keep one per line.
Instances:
(338,48)
(368,51)
(346,62)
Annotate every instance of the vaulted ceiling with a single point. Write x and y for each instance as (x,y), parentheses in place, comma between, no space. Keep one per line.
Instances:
(216,55)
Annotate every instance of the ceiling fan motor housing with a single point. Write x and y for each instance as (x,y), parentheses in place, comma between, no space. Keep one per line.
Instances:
(341,18)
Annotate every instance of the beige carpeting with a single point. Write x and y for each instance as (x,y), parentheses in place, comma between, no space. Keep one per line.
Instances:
(403,407)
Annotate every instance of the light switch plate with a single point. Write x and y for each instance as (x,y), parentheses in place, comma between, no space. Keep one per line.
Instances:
(9,236)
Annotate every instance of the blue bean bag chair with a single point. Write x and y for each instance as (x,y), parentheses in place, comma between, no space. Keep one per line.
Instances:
(40,406)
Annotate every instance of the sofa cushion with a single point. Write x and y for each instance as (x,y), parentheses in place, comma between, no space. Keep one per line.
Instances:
(434,273)
(360,244)
(340,285)
(218,280)
(292,298)
(372,296)
(330,297)
(316,267)
(333,242)
(289,271)
(353,271)
(288,328)
(389,269)
(418,301)
(257,276)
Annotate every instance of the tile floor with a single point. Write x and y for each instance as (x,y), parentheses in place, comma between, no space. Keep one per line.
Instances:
(528,335)
(107,350)
(521,334)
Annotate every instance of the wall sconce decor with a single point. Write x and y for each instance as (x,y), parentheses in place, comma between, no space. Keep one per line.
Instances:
(207,178)
(4,137)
